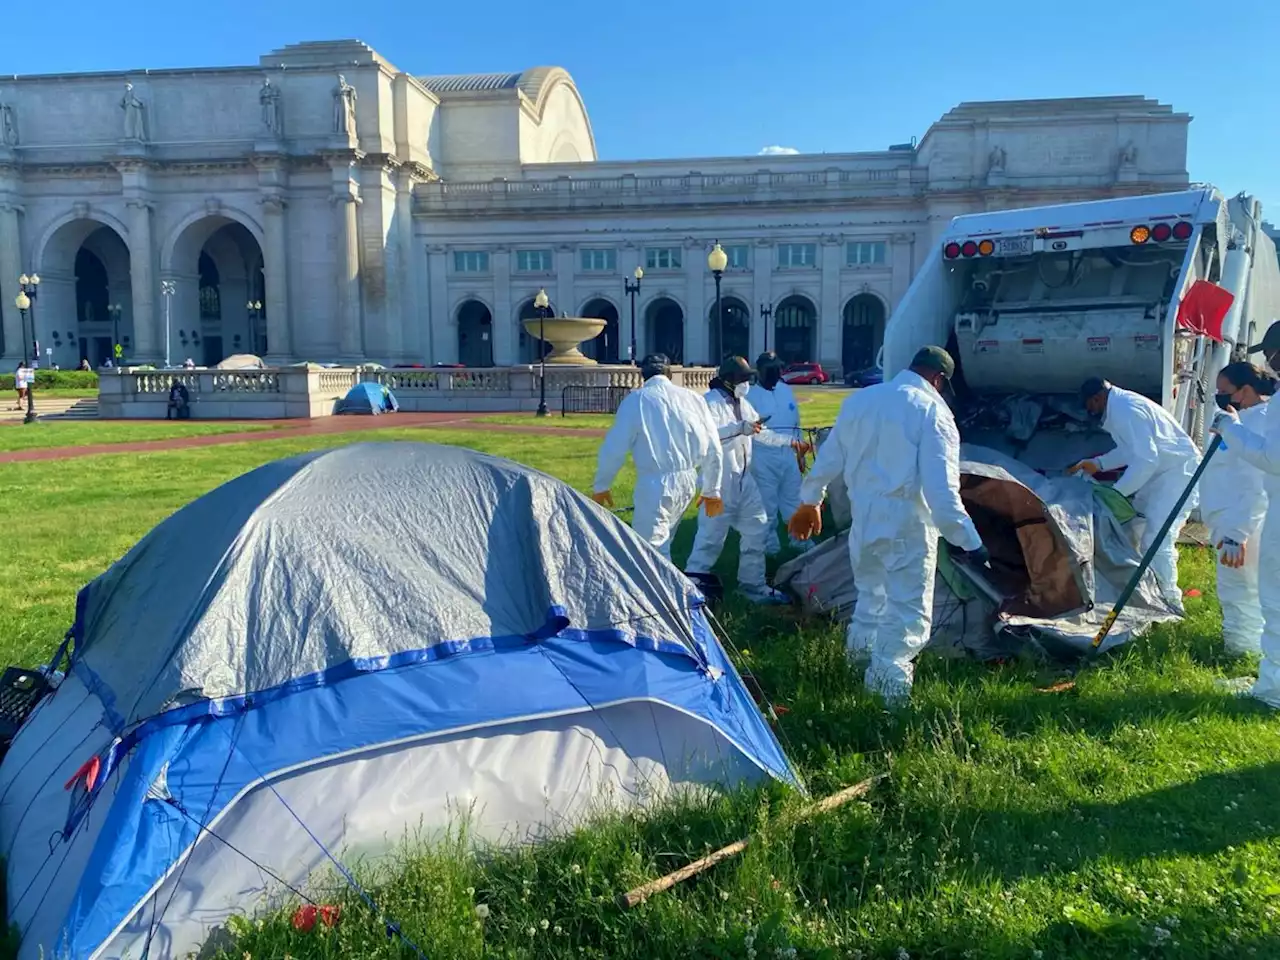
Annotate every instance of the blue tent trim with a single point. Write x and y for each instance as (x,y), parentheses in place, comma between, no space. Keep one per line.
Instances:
(372,398)
(210,761)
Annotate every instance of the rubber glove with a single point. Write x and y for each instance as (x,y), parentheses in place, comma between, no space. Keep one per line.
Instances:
(806,522)
(713,506)
(603,497)
(1222,418)
(978,557)
(1087,466)
(1233,553)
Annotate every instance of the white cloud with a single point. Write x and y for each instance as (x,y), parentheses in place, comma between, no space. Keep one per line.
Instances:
(777,151)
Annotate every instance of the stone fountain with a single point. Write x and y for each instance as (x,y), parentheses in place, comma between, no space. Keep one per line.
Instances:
(565,334)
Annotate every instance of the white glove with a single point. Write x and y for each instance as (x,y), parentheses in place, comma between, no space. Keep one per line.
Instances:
(1232,553)
(1221,419)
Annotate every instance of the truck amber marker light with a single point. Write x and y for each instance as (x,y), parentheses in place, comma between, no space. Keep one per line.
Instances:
(1140,234)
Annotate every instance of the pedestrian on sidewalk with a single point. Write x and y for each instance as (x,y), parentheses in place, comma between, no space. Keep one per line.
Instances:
(20,376)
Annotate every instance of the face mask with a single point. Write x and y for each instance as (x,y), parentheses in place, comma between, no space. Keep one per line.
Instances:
(740,390)
(770,378)
(1223,400)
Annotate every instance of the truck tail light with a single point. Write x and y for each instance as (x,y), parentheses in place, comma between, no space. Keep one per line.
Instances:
(951,250)
(1140,234)
(1161,232)
(986,248)
(1182,230)
(969,248)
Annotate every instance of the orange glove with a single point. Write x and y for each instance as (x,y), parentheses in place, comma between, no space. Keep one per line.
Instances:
(1088,466)
(714,506)
(603,497)
(806,522)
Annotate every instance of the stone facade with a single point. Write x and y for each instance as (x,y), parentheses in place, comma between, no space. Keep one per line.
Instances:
(324,205)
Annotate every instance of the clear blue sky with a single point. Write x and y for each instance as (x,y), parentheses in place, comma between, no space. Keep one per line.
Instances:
(669,79)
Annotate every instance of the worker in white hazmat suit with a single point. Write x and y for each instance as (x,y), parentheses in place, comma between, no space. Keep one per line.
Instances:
(1233,503)
(670,434)
(737,423)
(1259,446)
(777,468)
(897,447)
(1159,460)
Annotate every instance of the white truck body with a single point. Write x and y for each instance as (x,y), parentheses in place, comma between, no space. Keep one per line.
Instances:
(1032,302)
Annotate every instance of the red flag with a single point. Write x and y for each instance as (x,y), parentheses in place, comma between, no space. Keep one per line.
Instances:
(1204,308)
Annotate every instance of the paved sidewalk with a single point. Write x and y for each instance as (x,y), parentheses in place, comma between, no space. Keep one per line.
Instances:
(288,429)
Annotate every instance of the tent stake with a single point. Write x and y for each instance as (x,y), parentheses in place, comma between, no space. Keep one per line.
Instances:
(642,893)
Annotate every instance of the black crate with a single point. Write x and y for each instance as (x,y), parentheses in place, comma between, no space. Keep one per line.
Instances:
(20,690)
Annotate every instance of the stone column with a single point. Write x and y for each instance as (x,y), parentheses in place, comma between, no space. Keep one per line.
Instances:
(444,333)
(405,341)
(762,285)
(276,275)
(10,270)
(142,282)
(505,335)
(347,230)
(827,340)
(901,255)
(563,293)
(699,301)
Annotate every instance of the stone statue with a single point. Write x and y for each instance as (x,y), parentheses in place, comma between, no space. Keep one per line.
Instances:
(272,118)
(344,108)
(1129,155)
(135,115)
(996,160)
(8,125)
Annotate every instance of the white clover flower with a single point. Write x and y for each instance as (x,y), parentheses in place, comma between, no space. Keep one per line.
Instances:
(531,932)
(902,954)
(544,923)
(575,869)
(1161,934)
(558,931)
(471,891)
(724,894)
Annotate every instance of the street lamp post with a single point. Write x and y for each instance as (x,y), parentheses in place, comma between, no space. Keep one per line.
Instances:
(255,316)
(717,261)
(632,289)
(766,314)
(117,353)
(167,288)
(25,301)
(542,304)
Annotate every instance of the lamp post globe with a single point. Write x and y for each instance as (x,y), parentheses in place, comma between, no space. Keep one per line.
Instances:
(717,262)
(542,304)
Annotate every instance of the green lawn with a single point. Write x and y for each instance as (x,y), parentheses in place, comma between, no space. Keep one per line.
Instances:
(1135,816)
(80,433)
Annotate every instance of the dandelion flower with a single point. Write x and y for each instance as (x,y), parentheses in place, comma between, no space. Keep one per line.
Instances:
(482,911)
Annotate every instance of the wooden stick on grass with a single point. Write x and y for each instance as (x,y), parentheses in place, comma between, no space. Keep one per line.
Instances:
(642,893)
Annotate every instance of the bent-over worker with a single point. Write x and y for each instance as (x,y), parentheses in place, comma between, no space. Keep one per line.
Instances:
(1259,445)
(669,433)
(736,424)
(1159,460)
(776,468)
(1233,504)
(898,449)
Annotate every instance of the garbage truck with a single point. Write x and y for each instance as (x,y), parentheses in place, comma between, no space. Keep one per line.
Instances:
(1032,302)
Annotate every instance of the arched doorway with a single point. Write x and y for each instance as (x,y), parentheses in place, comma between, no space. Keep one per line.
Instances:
(795,320)
(219,305)
(85,304)
(862,333)
(606,347)
(475,334)
(737,330)
(664,321)
(529,344)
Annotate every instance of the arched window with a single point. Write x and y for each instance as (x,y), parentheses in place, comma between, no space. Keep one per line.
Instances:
(795,321)
(475,334)
(862,332)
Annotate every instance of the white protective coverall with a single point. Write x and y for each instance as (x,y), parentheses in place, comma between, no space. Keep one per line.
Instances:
(743,508)
(1159,459)
(898,449)
(1233,503)
(775,467)
(672,438)
(1260,447)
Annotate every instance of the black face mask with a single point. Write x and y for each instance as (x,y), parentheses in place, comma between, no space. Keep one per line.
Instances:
(769,377)
(1223,400)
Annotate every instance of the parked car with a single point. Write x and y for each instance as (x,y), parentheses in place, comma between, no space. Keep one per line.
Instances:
(864,378)
(804,374)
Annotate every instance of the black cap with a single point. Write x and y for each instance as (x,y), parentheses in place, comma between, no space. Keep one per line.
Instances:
(735,370)
(1270,341)
(1092,387)
(935,359)
(655,365)
(768,359)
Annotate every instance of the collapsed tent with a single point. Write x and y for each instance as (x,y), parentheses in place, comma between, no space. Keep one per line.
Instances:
(368,398)
(335,649)
(1059,558)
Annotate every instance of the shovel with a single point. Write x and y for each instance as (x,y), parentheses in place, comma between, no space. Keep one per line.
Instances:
(1134,580)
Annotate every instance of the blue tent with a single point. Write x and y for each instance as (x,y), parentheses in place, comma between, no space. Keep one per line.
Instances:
(368,398)
(340,648)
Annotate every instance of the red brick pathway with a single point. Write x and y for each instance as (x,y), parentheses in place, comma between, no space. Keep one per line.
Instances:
(288,429)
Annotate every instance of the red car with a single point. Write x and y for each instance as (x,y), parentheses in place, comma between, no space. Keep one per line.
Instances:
(804,374)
